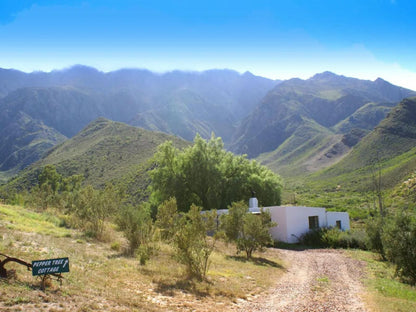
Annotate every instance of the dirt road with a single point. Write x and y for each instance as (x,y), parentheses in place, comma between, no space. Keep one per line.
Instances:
(316,280)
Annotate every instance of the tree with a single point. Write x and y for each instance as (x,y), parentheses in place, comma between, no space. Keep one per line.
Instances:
(206,175)
(187,232)
(50,177)
(374,228)
(250,232)
(45,193)
(96,206)
(137,226)
(70,191)
(193,246)
(55,190)
(167,213)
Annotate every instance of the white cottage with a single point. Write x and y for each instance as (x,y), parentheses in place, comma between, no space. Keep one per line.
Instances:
(293,221)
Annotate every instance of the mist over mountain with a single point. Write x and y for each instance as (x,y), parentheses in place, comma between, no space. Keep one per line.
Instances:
(61,103)
(302,124)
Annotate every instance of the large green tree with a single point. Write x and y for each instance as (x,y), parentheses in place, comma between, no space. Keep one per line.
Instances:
(205,174)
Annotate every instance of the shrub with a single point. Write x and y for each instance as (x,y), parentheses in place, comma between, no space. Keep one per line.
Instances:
(95,207)
(188,234)
(399,241)
(374,229)
(137,226)
(313,238)
(334,238)
(249,231)
(167,212)
(193,246)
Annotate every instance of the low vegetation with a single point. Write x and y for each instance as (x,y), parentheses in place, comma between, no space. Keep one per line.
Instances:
(102,278)
(385,291)
(159,253)
(335,238)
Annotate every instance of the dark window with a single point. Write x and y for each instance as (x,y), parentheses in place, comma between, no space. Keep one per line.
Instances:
(313,222)
(339,224)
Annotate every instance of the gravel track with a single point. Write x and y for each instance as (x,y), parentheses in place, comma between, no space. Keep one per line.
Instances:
(315,280)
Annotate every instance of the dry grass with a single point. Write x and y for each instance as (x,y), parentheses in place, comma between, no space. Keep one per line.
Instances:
(101,278)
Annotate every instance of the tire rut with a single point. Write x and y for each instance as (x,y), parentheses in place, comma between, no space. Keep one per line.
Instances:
(315,280)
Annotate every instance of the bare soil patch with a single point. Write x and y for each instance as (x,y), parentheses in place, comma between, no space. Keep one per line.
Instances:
(315,280)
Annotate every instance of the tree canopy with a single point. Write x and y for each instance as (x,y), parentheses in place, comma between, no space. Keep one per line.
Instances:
(205,174)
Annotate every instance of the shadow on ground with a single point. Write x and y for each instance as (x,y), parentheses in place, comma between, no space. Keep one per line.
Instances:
(168,288)
(257,261)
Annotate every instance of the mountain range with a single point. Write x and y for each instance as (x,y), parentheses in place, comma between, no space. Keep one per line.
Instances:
(301,126)
(294,127)
(39,110)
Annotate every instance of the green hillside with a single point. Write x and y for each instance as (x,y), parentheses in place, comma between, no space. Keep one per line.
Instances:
(293,157)
(342,108)
(366,117)
(23,140)
(391,148)
(105,151)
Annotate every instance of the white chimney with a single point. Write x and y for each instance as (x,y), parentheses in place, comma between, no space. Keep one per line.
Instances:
(253,203)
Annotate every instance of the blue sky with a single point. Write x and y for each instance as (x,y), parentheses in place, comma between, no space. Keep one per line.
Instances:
(276,39)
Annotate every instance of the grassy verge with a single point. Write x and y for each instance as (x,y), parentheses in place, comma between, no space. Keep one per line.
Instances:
(385,292)
(21,219)
(101,278)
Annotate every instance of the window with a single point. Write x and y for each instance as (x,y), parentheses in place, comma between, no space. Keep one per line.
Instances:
(313,222)
(338,224)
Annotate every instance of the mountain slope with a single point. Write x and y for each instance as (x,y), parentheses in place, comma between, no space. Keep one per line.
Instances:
(123,94)
(338,104)
(65,101)
(24,141)
(32,120)
(390,147)
(310,140)
(366,117)
(104,151)
(65,109)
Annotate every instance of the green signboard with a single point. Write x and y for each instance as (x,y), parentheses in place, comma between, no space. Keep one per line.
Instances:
(49,266)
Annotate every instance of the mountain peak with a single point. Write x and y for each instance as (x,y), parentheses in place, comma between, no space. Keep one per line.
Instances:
(247,73)
(325,75)
(380,81)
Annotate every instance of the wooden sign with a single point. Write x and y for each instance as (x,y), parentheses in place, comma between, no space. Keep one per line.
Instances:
(50,266)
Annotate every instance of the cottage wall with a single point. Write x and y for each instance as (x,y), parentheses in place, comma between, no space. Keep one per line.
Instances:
(298,221)
(278,215)
(334,216)
(293,221)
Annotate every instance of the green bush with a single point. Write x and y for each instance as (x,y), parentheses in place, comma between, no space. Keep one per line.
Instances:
(193,246)
(187,232)
(95,207)
(399,242)
(167,213)
(334,238)
(374,228)
(313,238)
(137,226)
(249,231)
